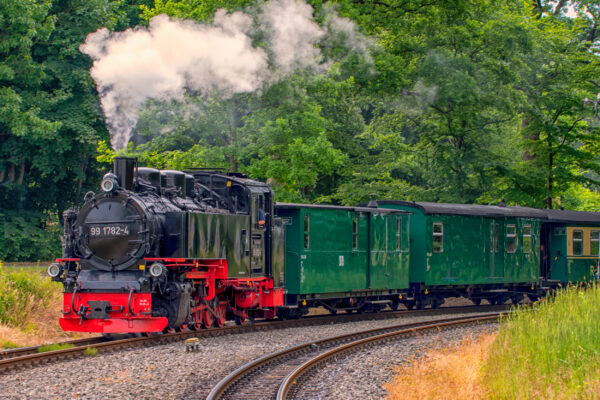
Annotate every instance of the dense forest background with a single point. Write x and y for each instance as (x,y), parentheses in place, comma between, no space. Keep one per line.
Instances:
(460,101)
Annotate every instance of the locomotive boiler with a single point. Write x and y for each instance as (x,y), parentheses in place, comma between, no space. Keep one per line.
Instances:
(164,250)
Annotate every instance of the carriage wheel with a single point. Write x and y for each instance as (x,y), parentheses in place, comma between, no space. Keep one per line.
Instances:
(221,315)
(207,318)
(476,301)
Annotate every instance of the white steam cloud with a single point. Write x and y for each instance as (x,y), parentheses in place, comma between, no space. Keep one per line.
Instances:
(170,57)
(292,35)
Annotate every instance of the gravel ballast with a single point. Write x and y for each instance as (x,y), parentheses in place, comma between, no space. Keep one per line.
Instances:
(169,372)
(362,375)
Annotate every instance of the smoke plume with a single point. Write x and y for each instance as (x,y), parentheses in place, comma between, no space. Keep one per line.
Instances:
(171,57)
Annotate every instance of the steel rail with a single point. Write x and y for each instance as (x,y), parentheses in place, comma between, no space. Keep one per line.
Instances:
(30,356)
(313,319)
(291,381)
(227,384)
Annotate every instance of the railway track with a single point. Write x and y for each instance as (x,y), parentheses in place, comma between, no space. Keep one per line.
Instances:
(30,356)
(279,375)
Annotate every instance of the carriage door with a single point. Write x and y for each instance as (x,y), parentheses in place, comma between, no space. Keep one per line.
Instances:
(258,229)
(496,249)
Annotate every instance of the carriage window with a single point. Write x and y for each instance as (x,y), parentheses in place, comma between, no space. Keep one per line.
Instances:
(577,243)
(398,233)
(511,238)
(438,237)
(306,231)
(355,232)
(594,242)
(526,238)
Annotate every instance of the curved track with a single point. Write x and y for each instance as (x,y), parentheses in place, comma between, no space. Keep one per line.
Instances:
(29,356)
(293,382)
(265,377)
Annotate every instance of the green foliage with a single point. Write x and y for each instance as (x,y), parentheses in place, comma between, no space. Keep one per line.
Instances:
(21,292)
(581,198)
(50,119)
(29,236)
(456,101)
(548,352)
(54,347)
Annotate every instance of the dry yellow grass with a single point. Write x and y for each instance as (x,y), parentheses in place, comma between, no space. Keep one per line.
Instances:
(453,373)
(42,328)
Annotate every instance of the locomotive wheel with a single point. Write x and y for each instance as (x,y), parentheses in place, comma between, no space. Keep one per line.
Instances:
(197,324)
(207,318)
(476,301)
(239,320)
(221,315)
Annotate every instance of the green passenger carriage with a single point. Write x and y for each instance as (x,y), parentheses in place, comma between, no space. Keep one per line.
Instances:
(344,258)
(476,251)
(571,240)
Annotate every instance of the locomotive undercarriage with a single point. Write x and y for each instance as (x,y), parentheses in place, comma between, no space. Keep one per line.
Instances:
(190,294)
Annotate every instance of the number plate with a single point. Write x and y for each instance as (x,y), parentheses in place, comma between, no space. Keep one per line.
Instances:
(109,230)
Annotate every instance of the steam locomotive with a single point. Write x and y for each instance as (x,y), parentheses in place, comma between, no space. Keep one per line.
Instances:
(161,250)
(170,250)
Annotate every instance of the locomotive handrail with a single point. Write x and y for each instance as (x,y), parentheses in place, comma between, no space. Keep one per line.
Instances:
(129,302)
(73,299)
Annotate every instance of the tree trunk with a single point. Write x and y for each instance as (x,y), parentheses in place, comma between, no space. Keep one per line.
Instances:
(21,173)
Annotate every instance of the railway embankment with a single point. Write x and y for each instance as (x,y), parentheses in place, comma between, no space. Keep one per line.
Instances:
(550,352)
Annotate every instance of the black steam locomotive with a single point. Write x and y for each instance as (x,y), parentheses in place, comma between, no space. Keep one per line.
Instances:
(162,250)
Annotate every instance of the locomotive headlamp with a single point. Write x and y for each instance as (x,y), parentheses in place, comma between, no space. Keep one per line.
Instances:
(54,270)
(109,182)
(157,269)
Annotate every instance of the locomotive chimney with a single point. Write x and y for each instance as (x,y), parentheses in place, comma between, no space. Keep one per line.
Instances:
(123,168)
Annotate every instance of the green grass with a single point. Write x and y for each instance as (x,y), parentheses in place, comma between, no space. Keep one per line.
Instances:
(54,346)
(22,291)
(7,344)
(552,352)
(91,351)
